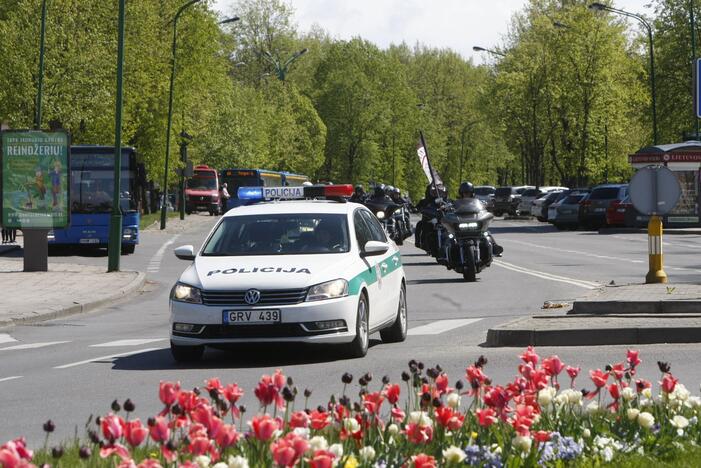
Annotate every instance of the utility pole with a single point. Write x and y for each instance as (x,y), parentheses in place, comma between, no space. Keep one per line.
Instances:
(40,87)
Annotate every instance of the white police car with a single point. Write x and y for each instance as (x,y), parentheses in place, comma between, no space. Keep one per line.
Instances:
(312,271)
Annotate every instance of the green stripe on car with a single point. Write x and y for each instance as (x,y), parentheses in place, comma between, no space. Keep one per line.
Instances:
(369,275)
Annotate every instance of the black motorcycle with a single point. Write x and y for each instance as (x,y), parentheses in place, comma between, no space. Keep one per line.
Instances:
(463,237)
(390,216)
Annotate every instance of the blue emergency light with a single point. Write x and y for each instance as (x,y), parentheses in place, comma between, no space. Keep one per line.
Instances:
(294,193)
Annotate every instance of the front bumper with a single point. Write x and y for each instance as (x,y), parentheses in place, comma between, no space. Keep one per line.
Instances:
(297,323)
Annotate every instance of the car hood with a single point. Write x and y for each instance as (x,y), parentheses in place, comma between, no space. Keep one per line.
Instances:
(266,272)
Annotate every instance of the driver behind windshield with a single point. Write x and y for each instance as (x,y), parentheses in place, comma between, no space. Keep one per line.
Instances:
(467,201)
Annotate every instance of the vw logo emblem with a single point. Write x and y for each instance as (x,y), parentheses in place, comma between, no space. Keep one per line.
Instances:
(252,296)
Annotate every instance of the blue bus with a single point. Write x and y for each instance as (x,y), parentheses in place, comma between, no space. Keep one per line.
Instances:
(235,178)
(92,176)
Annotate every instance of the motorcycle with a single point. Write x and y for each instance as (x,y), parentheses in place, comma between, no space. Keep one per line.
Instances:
(391,217)
(465,243)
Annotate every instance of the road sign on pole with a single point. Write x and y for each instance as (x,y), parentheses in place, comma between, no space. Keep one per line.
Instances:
(654,191)
(697,88)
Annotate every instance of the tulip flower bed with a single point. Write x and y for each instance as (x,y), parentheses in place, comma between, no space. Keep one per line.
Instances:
(538,419)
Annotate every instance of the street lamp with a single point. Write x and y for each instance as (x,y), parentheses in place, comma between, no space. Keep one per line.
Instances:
(281,69)
(482,49)
(601,7)
(40,84)
(230,20)
(164,204)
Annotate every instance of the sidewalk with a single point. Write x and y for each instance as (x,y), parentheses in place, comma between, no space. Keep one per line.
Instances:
(630,314)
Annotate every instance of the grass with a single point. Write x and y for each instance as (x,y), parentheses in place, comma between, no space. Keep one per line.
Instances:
(149,219)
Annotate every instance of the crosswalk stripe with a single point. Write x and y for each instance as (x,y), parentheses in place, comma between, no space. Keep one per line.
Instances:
(441,326)
(14,377)
(5,338)
(33,345)
(134,342)
(105,358)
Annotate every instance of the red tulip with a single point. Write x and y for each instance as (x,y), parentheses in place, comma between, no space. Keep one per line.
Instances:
(135,432)
(391,392)
(496,397)
(213,384)
(553,366)
(486,417)
(542,436)
(449,419)
(419,434)
(598,377)
(159,431)
(618,370)
(642,384)
(227,436)
(9,458)
(423,461)
(149,463)
(530,356)
(264,427)
(232,393)
(397,414)
(523,419)
(668,383)
(475,376)
(322,459)
(442,383)
(289,450)
(268,389)
(319,419)
(632,358)
(200,446)
(615,391)
(114,449)
(112,427)
(299,419)
(372,402)
(168,392)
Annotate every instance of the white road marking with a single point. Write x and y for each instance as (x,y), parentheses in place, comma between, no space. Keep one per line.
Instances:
(135,342)
(33,345)
(576,252)
(548,276)
(14,377)
(441,326)
(154,265)
(5,338)
(105,358)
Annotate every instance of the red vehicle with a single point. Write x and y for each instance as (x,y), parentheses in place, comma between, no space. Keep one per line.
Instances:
(616,212)
(202,191)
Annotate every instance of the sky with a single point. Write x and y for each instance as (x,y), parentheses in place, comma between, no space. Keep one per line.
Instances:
(454,24)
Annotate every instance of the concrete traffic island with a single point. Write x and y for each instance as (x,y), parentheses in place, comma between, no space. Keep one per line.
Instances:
(613,315)
(65,289)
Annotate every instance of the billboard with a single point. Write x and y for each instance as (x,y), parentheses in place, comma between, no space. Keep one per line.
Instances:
(35,181)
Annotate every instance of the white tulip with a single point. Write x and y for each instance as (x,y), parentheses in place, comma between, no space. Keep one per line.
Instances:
(546,395)
(453,400)
(593,407)
(420,418)
(454,455)
(203,461)
(351,425)
(646,420)
(522,442)
(238,462)
(586,433)
(393,429)
(679,421)
(628,394)
(367,454)
(318,443)
(337,450)
(632,414)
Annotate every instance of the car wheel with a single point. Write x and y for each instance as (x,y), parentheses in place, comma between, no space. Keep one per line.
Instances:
(359,346)
(397,331)
(186,353)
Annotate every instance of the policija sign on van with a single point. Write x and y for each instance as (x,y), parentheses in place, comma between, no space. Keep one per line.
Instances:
(35,182)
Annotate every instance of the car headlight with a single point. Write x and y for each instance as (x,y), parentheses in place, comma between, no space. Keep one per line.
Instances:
(472,226)
(328,290)
(380,215)
(128,233)
(185,293)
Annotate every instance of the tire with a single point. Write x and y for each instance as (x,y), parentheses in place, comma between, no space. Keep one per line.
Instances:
(469,272)
(359,346)
(186,353)
(560,227)
(128,249)
(396,332)
(498,213)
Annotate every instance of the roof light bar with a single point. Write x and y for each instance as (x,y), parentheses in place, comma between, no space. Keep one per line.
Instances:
(294,193)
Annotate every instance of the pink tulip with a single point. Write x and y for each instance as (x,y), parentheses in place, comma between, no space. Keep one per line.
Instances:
(168,392)
(553,366)
(112,427)
(159,431)
(135,432)
(264,427)
(322,459)
(530,356)
(299,419)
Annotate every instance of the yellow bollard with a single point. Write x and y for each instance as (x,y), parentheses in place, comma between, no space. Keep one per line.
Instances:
(654,243)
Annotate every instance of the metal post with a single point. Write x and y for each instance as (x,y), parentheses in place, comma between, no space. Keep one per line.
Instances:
(40,87)
(114,245)
(183,158)
(652,84)
(164,206)
(656,273)
(693,62)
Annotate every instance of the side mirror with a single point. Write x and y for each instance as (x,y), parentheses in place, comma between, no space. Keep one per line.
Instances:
(185,252)
(373,248)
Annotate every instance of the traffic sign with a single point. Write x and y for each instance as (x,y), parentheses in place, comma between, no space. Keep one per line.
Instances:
(697,88)
(654,190)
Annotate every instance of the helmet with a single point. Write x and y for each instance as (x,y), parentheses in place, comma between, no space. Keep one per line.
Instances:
(380,190)
(397,191)
(466,189)
(306,183)
(389,189)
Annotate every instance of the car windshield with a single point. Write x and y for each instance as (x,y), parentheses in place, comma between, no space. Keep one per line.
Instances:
(573,199)
(279,234)
(531,193)
(199,182)
(503,192)
(484,190)
(605,193)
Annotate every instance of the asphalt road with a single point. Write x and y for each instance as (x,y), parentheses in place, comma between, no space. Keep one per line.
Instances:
(68,369)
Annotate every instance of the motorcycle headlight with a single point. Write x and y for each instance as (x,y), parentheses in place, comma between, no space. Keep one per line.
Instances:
(185,293)
(328,290)
(472,226)
(380,215)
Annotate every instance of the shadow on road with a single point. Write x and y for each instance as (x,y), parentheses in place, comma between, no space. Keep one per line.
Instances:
(413,255)
(419,263)
(437,281)
(496,229)
(237,357)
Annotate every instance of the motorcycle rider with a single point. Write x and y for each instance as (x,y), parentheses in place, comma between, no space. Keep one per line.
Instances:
(429,206)
(379,195)
(359,195)
(466,196)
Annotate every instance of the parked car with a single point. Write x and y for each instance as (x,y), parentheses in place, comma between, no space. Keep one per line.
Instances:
(616,212)
(593,213)
(530,195)
(566,215)
(485,193)
(506,199)
(541,205)
(633,218)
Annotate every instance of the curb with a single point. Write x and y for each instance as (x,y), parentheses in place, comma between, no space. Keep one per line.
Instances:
(635,307)
(531,336)
(49,314)
(639,230)
(9,248)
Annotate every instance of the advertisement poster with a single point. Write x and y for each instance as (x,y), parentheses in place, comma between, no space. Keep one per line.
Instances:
(35,179)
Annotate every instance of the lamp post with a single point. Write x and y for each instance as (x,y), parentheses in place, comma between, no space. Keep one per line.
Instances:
(693,61)
(281,69)
(601,7)
(114,245)
(482,49)
(40,84)
(164,204)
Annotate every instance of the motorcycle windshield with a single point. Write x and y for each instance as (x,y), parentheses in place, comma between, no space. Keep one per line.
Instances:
(468,205)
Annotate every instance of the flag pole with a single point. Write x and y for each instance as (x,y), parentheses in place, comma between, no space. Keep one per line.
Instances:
(430,167)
